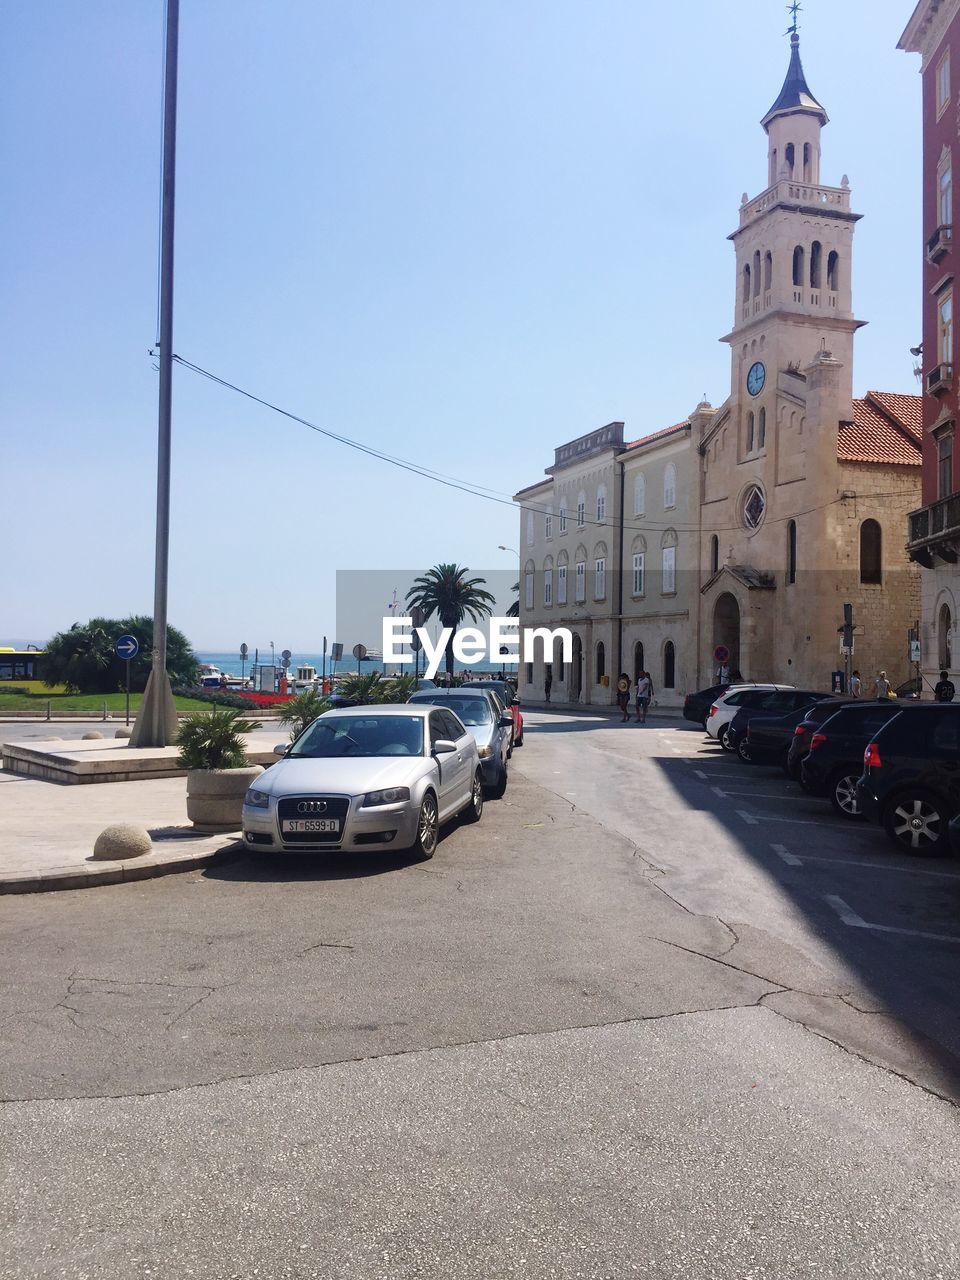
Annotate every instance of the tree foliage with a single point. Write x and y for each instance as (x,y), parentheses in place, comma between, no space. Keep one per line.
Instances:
(84,657)
(302,710)
(447,592)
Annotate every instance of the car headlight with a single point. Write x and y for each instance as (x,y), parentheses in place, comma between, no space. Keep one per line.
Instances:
(484,752)
(389,795)
(256,799)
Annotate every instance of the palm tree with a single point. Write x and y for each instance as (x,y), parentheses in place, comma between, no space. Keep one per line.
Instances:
(301,711)
(366,686)
(445,590)
(514,610)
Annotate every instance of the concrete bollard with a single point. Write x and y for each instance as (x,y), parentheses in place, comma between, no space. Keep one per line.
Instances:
(104,716)
(123,732)
(48,708)
(94,733)
(123,840)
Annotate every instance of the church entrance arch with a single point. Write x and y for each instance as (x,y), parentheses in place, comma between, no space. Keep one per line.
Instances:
(576,669)
(726,629)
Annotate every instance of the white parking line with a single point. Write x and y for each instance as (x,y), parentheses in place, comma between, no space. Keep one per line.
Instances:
(850,917)
(782,852)
(748,818)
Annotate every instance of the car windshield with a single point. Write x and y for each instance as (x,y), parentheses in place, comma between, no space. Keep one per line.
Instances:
(361,735)
(472,711)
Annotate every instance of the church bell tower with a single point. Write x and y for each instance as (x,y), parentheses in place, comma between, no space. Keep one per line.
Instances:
(794,249)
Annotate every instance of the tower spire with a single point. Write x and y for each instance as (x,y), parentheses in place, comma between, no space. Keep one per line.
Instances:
(795,96)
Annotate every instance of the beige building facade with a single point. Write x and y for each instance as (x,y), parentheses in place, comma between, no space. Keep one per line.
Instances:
(751,525)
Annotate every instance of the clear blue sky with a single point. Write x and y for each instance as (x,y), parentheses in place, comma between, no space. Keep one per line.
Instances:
(464,233)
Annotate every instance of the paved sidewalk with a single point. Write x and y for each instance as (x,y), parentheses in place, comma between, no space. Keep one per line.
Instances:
(47,833)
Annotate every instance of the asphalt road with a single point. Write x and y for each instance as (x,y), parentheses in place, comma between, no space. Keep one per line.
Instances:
(619,1028)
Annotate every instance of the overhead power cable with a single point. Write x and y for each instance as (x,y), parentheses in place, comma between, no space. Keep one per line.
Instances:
(498,496)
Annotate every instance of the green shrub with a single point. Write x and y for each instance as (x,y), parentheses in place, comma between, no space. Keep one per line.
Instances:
(302,710)
(213,740)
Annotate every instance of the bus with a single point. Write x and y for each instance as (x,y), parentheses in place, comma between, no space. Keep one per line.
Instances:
(22,669)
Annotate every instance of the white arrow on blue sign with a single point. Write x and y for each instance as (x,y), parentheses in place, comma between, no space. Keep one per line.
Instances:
(128,647)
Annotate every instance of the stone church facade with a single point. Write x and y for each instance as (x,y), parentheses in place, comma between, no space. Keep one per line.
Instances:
(795,494)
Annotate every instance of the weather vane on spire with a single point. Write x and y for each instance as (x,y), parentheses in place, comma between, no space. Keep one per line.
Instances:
(793,9)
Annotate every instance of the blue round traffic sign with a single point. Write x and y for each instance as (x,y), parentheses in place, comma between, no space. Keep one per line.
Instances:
(127,647)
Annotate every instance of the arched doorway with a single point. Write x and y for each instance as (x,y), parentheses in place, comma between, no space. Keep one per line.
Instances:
(576,669)
(637,661)
(726,629)
(945,638)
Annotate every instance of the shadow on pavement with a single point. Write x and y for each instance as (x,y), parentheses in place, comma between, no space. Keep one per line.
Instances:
(910,960)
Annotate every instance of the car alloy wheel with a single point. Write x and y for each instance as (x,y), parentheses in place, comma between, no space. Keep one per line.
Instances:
(500,785)
(917,823)
(474,810)
(843,795)
(428,827)
(744,752)
(725,738)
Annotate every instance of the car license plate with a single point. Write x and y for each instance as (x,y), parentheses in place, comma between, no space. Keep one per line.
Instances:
(305,825)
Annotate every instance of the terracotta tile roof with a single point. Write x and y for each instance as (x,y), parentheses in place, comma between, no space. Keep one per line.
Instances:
(886,428)
(656,435)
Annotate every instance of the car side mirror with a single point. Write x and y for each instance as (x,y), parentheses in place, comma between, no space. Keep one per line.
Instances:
(281,748)
(443,747)
(506,721)
(515,702)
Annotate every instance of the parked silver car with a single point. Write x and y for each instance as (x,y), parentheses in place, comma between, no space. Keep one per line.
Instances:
(367,778)
(485,717)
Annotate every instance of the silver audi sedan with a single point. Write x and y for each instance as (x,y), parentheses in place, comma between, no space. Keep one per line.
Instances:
(367,778)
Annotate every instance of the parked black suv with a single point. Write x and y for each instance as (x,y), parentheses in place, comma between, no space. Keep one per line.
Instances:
(911,776)
(808,726)
(834,761)
(696,706)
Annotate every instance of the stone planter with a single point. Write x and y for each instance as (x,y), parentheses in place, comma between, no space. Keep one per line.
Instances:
(215,796)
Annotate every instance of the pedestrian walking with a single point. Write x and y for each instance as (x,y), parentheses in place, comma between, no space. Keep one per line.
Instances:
(547,685)
(644,694)
(944,692)
(856,685)
(883,686)
(623,695)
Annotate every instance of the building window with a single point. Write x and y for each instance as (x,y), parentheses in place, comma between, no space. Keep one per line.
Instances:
(945,464)
(714,554)
(750,431)
(581,581)
(529,670)
(638,574)
(562,584)
(756,274)
(528,590)
(807,169)
(752,508)
(792,551)
(746,283)
(670,485)
(563,516)
(833,271)
(601,504)
(768,272)
(639,495)
(816,254)
(789,157)
(798,265)
(638,660)
(945,194)
(548,587)
(943,83)
(581,511)
(601,662)
(669,666)
(600,579)
(548,525)
(871,569)
(669,586)
(945,328)
(762,432)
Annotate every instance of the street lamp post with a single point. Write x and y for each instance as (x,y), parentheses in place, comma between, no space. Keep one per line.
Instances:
(156,723)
